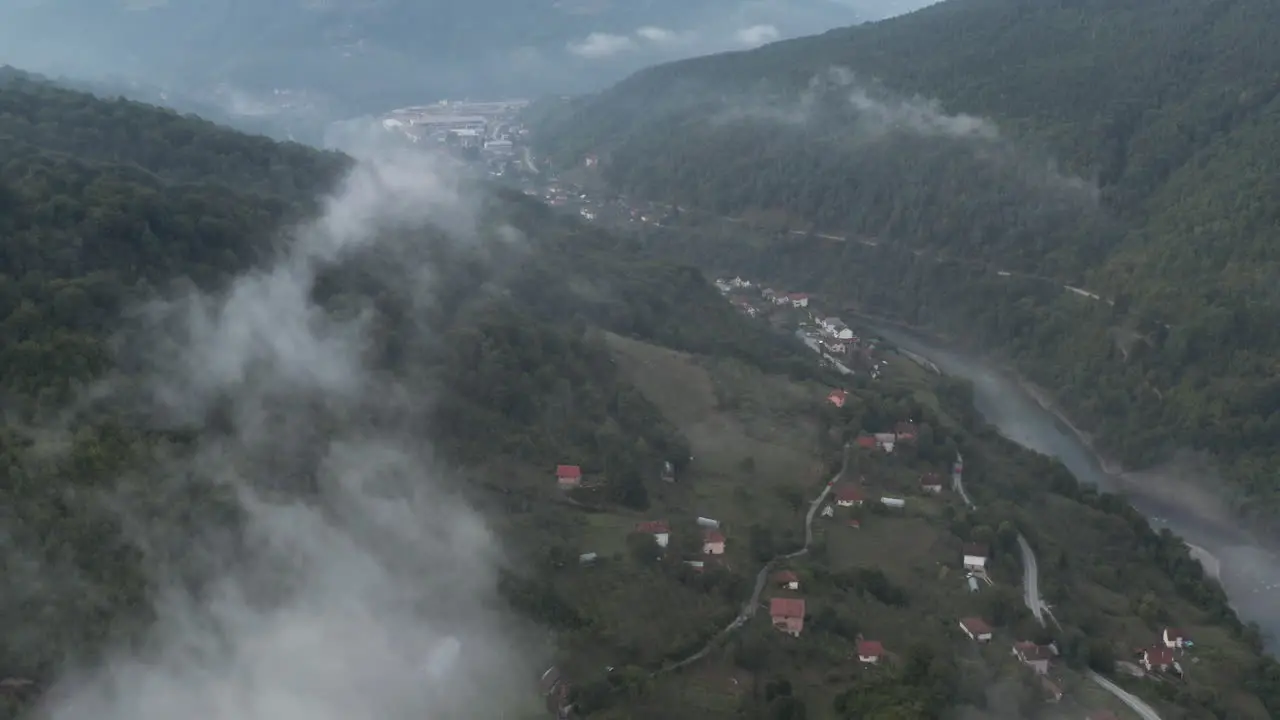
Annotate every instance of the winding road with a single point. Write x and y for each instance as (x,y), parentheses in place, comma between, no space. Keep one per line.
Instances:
(752,603)
(1031,580)
(1135,703)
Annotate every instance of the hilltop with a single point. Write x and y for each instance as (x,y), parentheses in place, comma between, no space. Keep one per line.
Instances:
(972,153)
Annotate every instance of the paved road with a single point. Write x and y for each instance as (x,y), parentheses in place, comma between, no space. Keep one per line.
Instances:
(752,603)
(1031,580)
(814,346)
(1030,568)
(1145,711)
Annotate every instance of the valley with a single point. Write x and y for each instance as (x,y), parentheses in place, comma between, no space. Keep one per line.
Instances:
(373,434)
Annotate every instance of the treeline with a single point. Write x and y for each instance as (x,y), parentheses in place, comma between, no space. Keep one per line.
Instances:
(1179,141)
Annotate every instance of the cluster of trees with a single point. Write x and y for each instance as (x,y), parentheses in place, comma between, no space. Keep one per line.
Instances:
(1173,223)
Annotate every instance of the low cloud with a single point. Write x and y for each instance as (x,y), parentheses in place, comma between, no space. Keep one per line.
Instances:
(757,35)
(370,595)
(867,112)
(602,45)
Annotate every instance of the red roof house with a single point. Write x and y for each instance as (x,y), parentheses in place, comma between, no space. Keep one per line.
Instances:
(787,615)
(837,397)
(568,475)
(1173,637)
(712,542)
(786,579)
(659,529)
(848,496)
(1035,656)
(976,628)
(866,441)
(1159,658)
(931,482)
(870,651)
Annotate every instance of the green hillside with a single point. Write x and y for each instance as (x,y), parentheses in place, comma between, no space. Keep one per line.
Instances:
(1127,148)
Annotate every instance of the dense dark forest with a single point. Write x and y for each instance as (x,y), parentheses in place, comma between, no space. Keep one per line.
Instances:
(1126,148)
(104,204)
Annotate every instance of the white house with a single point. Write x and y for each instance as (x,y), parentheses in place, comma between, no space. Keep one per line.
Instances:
(798,300)
(976,628)
(828,511)
(1173,637)
(893,502)
(885,441)
(975,557)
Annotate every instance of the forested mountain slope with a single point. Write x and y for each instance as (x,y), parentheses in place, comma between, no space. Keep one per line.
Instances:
(204,397)
(121,225)
(1124,147)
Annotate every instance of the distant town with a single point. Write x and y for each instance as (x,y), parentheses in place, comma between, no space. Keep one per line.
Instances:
(480,130)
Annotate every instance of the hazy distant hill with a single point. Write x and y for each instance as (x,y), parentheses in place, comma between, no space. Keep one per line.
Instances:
(356,55)
(1128,146)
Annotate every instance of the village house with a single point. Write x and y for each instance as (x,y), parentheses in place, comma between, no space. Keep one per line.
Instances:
(838,348)
(659,529)
(1173,638)
(1160,659)
(798,300)
(697,565)
(837,397)
(893,502)
(870,651)
(976,628)
(781,298)
(866,441)
(786,579)
(828,511)
(975,557)
(849,496)
(712,542)
(885,441)
(768,294)
(568,476)
(745,306)
(931,483)
(905,431)
(1034,656)
(787,615)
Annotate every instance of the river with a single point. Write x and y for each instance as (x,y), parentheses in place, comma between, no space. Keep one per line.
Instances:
(1248,571)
